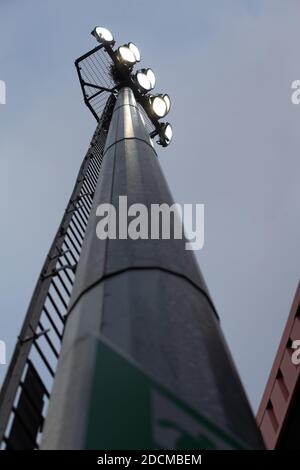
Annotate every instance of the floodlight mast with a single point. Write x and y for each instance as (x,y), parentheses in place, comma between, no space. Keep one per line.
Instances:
(143,362)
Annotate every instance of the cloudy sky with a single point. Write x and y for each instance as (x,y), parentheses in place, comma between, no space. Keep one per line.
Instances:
(228,66)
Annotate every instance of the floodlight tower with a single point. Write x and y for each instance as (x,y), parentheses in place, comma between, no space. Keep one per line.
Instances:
(143,362)
(126,329)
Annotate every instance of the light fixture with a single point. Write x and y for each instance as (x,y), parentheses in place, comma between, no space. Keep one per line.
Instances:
(145,80)
(167,100)
(142,81)
(103,35)
(126,56)
(135,50)
(151,76)
(159,105)
(165,134)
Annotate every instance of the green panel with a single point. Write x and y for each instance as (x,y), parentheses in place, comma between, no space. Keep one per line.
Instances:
(130,410)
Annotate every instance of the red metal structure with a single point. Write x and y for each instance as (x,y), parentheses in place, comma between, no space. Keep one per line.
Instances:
(279,412)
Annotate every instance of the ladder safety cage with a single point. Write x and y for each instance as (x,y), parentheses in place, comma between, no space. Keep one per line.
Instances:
(26,390)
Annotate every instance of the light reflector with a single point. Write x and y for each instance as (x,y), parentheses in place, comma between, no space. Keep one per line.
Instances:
(159,106)
(135,50)
(145,79)
(151,76)
(126,55)
(167,101)
(103,35)
(165,134)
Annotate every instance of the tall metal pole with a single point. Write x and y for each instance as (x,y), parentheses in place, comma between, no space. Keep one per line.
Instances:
(144,363)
